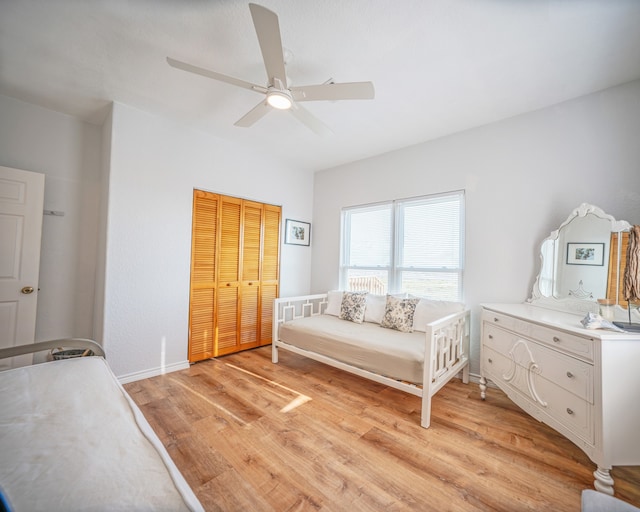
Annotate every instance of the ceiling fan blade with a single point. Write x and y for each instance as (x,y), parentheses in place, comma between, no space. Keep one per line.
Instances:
(310,121)
(216,76)
(332,92)
(268,31)
(255,114)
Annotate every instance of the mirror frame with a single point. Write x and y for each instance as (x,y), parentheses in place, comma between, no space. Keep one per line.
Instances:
(572,304)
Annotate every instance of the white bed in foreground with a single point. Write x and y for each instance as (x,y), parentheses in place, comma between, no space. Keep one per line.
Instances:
(72,439)
(431,358)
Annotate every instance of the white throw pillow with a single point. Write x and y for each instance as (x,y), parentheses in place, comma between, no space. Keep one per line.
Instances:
(428,311)
(374,310)
(334,303)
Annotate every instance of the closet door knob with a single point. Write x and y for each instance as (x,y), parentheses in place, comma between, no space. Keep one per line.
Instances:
(27,290)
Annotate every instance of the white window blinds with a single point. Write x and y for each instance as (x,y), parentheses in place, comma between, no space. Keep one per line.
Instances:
(412,245)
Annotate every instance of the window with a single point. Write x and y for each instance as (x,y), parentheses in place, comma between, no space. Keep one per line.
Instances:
(411,245)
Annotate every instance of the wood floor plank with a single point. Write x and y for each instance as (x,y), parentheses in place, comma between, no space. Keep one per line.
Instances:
(299,435)
(325,461)
(229,491)
(260,469)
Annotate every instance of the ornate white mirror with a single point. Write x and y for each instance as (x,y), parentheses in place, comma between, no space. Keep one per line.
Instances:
(581,262)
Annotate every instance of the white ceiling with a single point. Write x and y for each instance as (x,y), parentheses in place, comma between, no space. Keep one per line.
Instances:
(438,66)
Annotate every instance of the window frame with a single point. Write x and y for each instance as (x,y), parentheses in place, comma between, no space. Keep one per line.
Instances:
(396,246)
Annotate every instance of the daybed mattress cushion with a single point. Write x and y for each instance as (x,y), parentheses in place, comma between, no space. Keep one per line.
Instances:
(387,352)
(71,439)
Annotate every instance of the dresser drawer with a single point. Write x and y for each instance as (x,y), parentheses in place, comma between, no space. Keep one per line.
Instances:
(567,409)
(546,400)
(571,344)
(569,373)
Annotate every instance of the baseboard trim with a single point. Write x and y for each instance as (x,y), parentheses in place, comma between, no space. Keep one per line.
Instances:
(475,378)
(154,372)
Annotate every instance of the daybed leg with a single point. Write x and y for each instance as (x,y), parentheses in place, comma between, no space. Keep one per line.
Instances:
(274,352)
(465,374)
(425,418)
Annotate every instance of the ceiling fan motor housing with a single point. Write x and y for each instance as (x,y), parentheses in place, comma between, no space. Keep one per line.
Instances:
(279,93)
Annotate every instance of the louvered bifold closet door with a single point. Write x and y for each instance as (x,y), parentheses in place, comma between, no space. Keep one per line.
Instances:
(270,270)
(250,282)
(234,274)
(204,240)
(228,276)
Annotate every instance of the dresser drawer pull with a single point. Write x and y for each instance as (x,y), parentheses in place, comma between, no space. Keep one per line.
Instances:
(490,360)
(569,411)
(490,336)
(556,339)
(495,319)
(570,375)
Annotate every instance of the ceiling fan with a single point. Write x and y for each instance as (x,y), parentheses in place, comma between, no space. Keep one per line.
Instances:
(279,94)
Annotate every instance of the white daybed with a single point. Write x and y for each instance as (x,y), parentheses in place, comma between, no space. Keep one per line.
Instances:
(419,362)
(72,439)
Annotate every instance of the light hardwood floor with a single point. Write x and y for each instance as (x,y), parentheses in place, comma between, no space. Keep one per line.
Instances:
(249,435)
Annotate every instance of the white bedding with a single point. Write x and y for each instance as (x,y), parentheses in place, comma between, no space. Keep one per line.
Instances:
(72,439)
(388,352)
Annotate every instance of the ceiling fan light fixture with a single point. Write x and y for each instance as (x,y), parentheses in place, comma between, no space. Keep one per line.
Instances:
(279,94)
(279,100)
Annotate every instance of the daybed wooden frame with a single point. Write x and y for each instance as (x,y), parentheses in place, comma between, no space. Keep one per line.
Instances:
(446,343)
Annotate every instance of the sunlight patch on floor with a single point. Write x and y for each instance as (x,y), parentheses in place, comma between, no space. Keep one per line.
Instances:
(296,402)
(209,401)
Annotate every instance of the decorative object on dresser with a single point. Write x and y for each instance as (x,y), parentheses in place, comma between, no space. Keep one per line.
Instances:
(581,382)
(631,284)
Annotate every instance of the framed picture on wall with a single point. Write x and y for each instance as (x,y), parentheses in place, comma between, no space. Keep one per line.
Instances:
(297,232)
(585,254)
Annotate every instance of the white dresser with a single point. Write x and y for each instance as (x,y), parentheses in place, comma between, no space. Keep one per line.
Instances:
(583,383)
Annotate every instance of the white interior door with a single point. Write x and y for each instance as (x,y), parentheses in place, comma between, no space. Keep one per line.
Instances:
(21,206)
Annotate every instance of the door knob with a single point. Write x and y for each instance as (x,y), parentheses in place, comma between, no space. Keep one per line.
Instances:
(27,290)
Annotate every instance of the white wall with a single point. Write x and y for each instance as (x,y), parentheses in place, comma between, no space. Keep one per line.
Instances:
(67,151)
(154,166)
(522,178)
